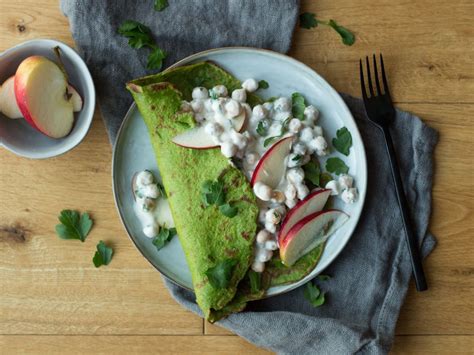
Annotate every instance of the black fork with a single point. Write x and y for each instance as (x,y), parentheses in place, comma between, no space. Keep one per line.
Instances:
(380,110)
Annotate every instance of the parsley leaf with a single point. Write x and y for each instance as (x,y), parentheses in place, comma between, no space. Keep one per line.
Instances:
(160,5)
(162,191)
(255,281)
(297,157)
(298,105)
(347,36)
(336,166)
(220,275)
(262,84)
(155,58)
(164,237)
(308,20)
(270,140)
(212,192)
(314,295)
(103,255)
(73,225)
(324,178)
(228,210)
(312,172)
(261,128)
(138,34)
(343,141)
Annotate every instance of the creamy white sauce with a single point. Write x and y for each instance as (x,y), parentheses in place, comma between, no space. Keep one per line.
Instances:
(218,111)
(151,209)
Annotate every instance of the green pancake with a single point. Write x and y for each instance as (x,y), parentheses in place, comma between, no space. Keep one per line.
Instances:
(207,236)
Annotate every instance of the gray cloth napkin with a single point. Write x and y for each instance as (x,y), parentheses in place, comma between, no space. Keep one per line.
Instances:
(370,278)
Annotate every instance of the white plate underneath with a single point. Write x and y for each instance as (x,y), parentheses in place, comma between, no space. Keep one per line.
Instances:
(133,152)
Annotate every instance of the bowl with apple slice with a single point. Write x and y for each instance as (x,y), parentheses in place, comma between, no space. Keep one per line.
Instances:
(47,99)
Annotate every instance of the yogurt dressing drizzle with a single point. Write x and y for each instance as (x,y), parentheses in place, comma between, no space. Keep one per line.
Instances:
(215,110)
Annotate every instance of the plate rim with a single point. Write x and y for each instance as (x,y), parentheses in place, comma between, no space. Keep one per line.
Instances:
(335,94)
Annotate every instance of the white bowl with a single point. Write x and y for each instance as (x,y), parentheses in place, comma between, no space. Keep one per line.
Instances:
(17,135)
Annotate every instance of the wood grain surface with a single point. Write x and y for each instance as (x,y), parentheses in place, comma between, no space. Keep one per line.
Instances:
(53,300)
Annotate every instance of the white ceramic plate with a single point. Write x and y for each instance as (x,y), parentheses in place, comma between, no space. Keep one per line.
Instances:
(133,151)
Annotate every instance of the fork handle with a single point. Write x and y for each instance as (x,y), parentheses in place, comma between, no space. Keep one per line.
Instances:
(412,244)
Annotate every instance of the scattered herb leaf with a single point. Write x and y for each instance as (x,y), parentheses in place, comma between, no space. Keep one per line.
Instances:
(139,36)
(220,275)
(155,58)
(312,172)
(270,140)
(212,192)
(213,95)
(164,237)
(271,99)
(297,157)
(298,105)
(160,5)
(308,20)
(261,128)
(336,166)
(228,210)
(314,295)
(347,36)
(343,141)
(324,178)
(103,255)
(73,225)
(162,191)
(262,84)
(255,281)
(324,277)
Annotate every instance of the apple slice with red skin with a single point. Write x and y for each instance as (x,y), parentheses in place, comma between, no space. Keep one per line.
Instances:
(197,138)
(308,233)
(314,202)
(9,106)
(271,167)
(41,94)
(8,103)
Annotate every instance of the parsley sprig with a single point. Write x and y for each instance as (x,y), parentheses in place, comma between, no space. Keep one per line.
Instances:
(139,36)
(164,237)
(212,193)
(74,225)
(314,294)
(103,255)
(220,275)
(343,141)
(308,20)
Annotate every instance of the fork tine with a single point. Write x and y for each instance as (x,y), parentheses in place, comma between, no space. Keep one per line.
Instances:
(377,82)
(362,83)
(369,78)
(384,78)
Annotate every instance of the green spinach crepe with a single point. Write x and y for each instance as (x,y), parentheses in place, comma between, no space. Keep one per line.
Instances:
(208,237)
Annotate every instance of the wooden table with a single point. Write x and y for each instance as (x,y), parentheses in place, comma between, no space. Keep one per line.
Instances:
(52,299)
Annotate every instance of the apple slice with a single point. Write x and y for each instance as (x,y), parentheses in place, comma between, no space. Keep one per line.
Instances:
(197,138)
(40,91)
(314,202)
(8,103)
(308,233)
(271,167)
(76,99)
